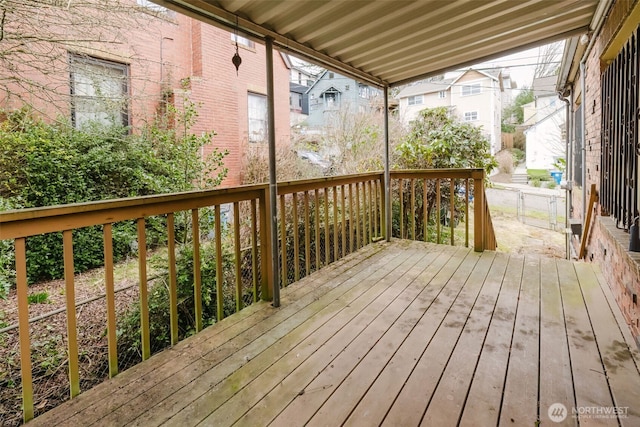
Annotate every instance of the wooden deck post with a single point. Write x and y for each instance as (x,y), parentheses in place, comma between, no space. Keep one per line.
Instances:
(478,211)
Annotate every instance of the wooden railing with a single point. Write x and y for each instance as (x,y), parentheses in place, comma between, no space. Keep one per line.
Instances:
(430,205)
(319,221)
(322,220)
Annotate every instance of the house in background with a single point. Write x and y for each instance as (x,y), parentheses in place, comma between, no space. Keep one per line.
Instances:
(167,59)
(546,134)
(474,96)
(332,93)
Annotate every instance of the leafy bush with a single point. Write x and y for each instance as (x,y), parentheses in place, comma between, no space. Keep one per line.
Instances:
(43,164)
(518,155)
(159,317)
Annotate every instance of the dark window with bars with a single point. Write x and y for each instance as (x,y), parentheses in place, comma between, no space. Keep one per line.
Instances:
(620,144)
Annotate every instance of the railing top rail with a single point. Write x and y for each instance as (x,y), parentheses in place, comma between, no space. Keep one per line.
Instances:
(329,181)
(456,173)
(33,221)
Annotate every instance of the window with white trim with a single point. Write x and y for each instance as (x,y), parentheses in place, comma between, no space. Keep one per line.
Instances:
(442,94)
(257,113)
(243,41)
(472,89)
(152,6)
(415,100)
(470,116)
(99,91)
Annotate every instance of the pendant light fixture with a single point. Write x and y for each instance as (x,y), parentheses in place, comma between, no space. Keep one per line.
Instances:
(236,57)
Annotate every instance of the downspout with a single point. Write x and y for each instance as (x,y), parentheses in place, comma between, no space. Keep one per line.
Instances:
(387,170)
(568,187)
(273,193)
(583,153)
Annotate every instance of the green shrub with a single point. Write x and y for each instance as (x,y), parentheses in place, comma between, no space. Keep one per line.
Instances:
(535,182)
(44,164)
(159,318)
(518,155)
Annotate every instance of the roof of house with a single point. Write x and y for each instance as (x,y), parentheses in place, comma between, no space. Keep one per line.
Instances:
(297,88)
(424,88)
(545,86)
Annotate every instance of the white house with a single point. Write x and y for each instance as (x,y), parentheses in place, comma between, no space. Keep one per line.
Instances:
(474,96)
(545,136)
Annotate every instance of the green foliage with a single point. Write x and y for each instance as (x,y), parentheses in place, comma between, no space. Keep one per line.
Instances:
(518,155)
(39,298)
(437,140)
(514,113)
(536,182)
(539,174)
(551,185)
(43,164)
(560,164)
(159,319)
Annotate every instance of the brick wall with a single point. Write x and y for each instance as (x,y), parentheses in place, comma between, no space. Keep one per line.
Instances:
(606,245)
(164,51)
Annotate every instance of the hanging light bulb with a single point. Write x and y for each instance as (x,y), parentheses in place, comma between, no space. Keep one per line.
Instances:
(236,60)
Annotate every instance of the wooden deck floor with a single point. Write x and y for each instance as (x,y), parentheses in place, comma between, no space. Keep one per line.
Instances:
(398,334)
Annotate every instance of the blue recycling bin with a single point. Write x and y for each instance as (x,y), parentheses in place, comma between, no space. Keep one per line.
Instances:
(557,177)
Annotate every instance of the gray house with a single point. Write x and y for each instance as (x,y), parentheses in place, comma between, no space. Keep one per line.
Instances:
(332,93)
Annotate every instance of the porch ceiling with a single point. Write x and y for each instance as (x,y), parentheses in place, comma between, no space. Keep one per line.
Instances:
(397,41)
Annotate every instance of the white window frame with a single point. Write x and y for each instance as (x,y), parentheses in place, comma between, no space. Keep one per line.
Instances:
(258,125)
(243,41)
(415,100)
(442,94)
(99,91)
(152,6)
(471,89)
(470,116)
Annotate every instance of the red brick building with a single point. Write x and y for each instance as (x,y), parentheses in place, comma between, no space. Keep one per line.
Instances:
(604,152)
(155,56)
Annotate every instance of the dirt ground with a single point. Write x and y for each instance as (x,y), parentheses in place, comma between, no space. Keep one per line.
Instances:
(516,237)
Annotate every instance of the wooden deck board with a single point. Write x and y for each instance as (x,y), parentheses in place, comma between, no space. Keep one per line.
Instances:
(400,333)
(520,399)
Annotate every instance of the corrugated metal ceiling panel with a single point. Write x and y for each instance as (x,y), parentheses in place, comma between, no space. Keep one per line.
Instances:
(396,41)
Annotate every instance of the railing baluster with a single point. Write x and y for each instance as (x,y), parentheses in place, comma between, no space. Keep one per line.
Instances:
(425,209)
(238,263)
(335,223)
(107,232)
(296,240)
(283,237)
(358,241)
(351,229)
(401,191)
(144,298)
(452,210)
(219,275)
(23,329)
(327,254)
(413,209)
(466,212)
(197,274)
(369,212)
(173,288)
(307,237)
(316,213)
(254,249)
(374,189)
(438,213)
(343,217)
(70,296)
